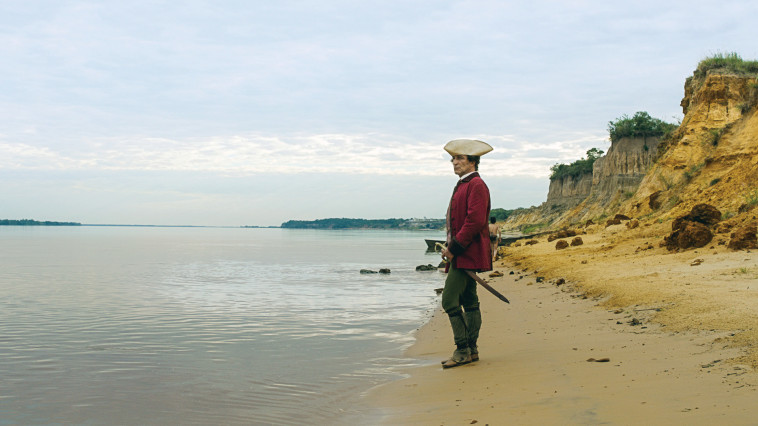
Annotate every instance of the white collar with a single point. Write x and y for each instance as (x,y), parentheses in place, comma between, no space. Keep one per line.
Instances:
(467,175)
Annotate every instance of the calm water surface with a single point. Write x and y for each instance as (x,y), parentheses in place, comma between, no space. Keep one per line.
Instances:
(121,325)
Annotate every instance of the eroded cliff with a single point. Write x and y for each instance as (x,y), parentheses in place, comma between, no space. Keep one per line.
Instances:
(712,157)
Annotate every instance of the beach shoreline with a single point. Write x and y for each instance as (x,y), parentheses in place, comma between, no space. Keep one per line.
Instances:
(677,330)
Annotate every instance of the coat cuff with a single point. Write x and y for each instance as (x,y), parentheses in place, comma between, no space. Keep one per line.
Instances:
(456,248)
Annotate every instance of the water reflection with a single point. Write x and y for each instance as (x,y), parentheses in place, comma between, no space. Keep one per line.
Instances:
(201,326)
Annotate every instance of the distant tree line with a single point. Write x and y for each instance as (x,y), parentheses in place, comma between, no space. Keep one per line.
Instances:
(345,223)
(32,222)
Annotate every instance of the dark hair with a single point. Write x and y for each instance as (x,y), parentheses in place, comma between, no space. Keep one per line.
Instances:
(493,220)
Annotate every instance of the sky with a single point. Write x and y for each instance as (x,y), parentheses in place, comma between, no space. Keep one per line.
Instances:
(230,113)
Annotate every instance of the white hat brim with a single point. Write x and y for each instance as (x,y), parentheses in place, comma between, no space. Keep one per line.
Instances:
(467,147)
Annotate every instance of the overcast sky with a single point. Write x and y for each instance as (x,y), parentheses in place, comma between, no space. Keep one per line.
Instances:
(257,112)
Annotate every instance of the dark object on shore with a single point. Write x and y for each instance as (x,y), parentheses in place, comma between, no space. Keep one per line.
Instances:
(384,271)
(577,241)
(367,271)
(599,360)
(561,244)
(540,279)
(560,281)
(428,267)
(744,238)
(438,291)
(431,245)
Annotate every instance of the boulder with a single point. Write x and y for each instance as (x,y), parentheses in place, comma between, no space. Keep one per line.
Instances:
(688,235)
(564,233)
(428,267)
(744,238)
(701,213)
(561,244)
(384,271)
(621,217)
(613,221)
(495,274)
(367,271)
(634,223)
(530,242)
(577,241)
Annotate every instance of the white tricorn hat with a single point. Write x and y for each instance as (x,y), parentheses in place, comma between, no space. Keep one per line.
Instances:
(467,147)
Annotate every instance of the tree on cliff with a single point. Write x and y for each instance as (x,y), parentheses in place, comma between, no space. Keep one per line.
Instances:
(578,167)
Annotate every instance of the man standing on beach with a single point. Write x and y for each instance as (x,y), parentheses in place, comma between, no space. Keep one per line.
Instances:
(468,248)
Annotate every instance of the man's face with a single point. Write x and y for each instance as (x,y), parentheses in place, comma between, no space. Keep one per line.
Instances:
(461,165)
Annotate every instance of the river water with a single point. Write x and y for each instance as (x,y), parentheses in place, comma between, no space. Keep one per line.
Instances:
(154,325)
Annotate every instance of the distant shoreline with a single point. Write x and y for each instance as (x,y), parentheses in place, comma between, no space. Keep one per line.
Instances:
(32,222)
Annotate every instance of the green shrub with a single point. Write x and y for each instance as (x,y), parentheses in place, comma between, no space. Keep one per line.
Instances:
(578,167)
(640,125)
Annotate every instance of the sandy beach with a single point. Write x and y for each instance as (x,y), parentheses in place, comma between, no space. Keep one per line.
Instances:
(635,334)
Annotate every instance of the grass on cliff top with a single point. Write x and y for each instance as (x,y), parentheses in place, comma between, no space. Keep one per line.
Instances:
(726,63)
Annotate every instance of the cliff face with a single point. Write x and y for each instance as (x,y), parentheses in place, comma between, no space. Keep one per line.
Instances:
(713,155)
(569,190)
(614,177)
(624,166)
(711,158)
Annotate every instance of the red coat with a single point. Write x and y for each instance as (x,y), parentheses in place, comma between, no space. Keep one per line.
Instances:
(468,216)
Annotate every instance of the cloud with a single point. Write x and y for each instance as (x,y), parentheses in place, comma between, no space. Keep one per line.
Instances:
(257,154)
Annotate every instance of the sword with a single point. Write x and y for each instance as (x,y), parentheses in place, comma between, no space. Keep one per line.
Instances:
(478,279)
(484,284)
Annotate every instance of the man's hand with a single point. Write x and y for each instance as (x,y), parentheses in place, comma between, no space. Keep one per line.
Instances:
(446,255)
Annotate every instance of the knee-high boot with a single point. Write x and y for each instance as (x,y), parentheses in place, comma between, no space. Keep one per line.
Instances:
(462,353)
(473,317)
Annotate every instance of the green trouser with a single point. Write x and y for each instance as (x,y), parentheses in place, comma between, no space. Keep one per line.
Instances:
(460,292)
